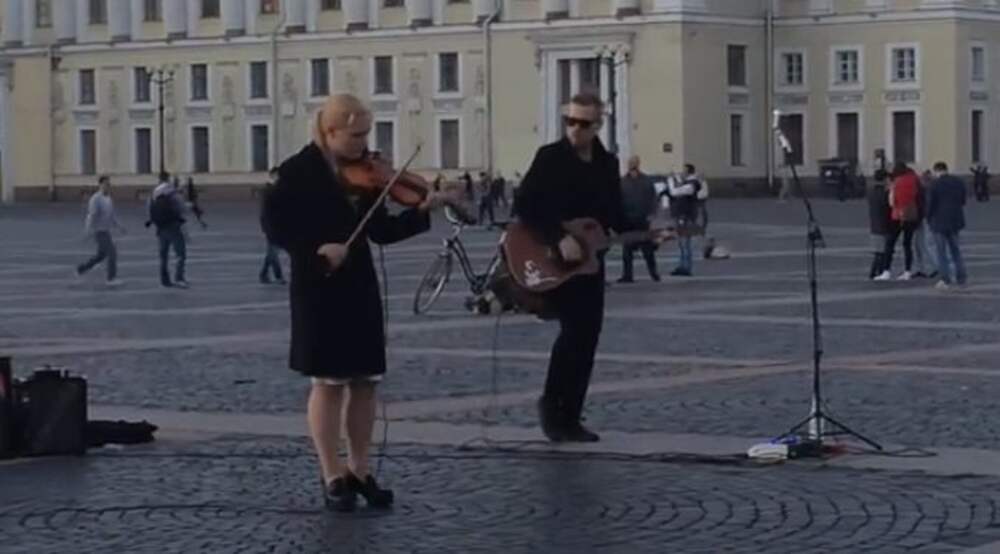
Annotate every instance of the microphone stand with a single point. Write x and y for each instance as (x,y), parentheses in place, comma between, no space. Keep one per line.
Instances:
(817,415)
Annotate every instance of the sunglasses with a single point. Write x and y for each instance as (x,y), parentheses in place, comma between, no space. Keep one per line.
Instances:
(576,122)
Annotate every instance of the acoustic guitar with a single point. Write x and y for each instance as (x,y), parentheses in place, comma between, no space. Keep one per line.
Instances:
(538,267)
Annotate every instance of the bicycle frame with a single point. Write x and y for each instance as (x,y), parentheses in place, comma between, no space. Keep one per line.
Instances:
(477,282)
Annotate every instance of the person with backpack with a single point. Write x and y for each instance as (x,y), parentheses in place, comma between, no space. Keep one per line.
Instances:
(683,193)
(166,212)
(100,222)
(272,263)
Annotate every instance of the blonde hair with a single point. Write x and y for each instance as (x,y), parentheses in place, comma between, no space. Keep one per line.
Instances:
(340,111)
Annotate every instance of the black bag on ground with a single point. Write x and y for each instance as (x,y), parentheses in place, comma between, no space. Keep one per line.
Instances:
(100,433)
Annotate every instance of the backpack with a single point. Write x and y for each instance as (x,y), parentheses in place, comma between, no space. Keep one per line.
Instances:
(163,211)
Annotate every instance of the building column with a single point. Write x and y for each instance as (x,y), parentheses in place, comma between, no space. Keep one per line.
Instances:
(64,20)
(28,24)
(355,14)
(555,9)
(313,9)
(421,12)
(119,20)
(7,177)
(484,9)
(138,14)
(295,16)
(193,13)
(233,17)
(175,19)
(82,16)
(625,8)
(13,23)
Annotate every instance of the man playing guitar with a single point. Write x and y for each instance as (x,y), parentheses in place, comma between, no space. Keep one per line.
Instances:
(573,178)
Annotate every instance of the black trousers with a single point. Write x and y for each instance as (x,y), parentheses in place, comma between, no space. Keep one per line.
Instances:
(580,305)
(906,228)
(648,253)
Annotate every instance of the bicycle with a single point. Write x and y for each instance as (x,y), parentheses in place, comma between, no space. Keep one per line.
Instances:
(439,272)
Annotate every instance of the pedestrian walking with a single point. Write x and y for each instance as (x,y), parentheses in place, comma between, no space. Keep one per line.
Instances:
(166,212)
(99,224)
(946,213)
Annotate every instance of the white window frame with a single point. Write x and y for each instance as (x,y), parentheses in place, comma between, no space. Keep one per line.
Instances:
(395,133)
(97,90)
(437,76)
(984,82)
(780,155)
(132,90)
(208,85)
(438,152)
(249,83)
(744,143)
(329,76)
(746,69)
(984,129)
(153,146)
(371,78)
(890,66)
(890,139)
(79,148)
(779,63)
(835,69)
(832,134)
(249,141)
(190,148)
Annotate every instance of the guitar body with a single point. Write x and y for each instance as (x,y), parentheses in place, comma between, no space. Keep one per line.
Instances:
(538,267)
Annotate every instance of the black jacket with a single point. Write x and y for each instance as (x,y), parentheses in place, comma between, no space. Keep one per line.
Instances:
(559,186)
(337,326)
(946,206)
(879,212)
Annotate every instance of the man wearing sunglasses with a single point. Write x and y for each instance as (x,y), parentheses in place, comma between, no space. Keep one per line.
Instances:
(572,178)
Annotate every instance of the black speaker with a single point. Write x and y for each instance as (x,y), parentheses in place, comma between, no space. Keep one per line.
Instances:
(6,408)
(51,413)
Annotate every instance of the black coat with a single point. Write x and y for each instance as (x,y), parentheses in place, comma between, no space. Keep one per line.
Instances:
(559,186)
(337,325)
(946,206)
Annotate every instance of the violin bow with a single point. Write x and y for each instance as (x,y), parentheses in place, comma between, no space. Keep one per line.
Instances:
(381,197)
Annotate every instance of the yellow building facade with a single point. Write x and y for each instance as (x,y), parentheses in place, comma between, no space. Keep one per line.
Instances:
(479,83)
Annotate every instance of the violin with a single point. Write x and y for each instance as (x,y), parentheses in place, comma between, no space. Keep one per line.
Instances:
(370,174)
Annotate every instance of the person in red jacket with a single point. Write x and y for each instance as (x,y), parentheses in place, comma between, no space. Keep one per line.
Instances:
(905,216)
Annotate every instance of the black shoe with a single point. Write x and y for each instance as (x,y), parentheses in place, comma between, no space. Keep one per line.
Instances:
(680,272)
(281,281)
(625,280)
(578,433)
(264,280)
(338,496)
(548,417)
(375,496)
(655,277)
(166,284)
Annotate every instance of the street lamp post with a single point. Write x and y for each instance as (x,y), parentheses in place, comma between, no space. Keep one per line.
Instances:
(162,77)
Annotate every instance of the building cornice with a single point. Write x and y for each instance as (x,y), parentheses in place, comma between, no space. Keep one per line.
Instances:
(875,17)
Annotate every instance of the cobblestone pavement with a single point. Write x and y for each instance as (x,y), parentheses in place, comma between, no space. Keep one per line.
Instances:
(724,354)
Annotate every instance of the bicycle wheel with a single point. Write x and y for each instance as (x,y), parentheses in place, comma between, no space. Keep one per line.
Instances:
(432,284)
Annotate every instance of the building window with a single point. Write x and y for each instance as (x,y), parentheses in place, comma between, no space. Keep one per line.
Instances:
(88,152)
(151,10)
(142,86)
(268,6)
(792,126)
(329,5)
(383,75)
(144,151)
(736,130)
(977,136)
(43,14)
(385,139)
(209,8)
(97,12)
(737,65)
(260,157)
(392,3)
(88,94)
(258,80)
(794,68)
(847,67)
(199,82)
(904,65)
(978,64)
(449,141)
(200,146)
(904,136)
(319,77)
(448,72)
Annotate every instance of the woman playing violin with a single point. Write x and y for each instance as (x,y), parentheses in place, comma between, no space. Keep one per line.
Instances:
(338,338)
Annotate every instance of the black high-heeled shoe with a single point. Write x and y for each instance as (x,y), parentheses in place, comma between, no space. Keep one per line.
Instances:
(338,495)
(375,496)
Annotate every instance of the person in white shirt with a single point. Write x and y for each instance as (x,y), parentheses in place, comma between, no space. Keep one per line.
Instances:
(100,222)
